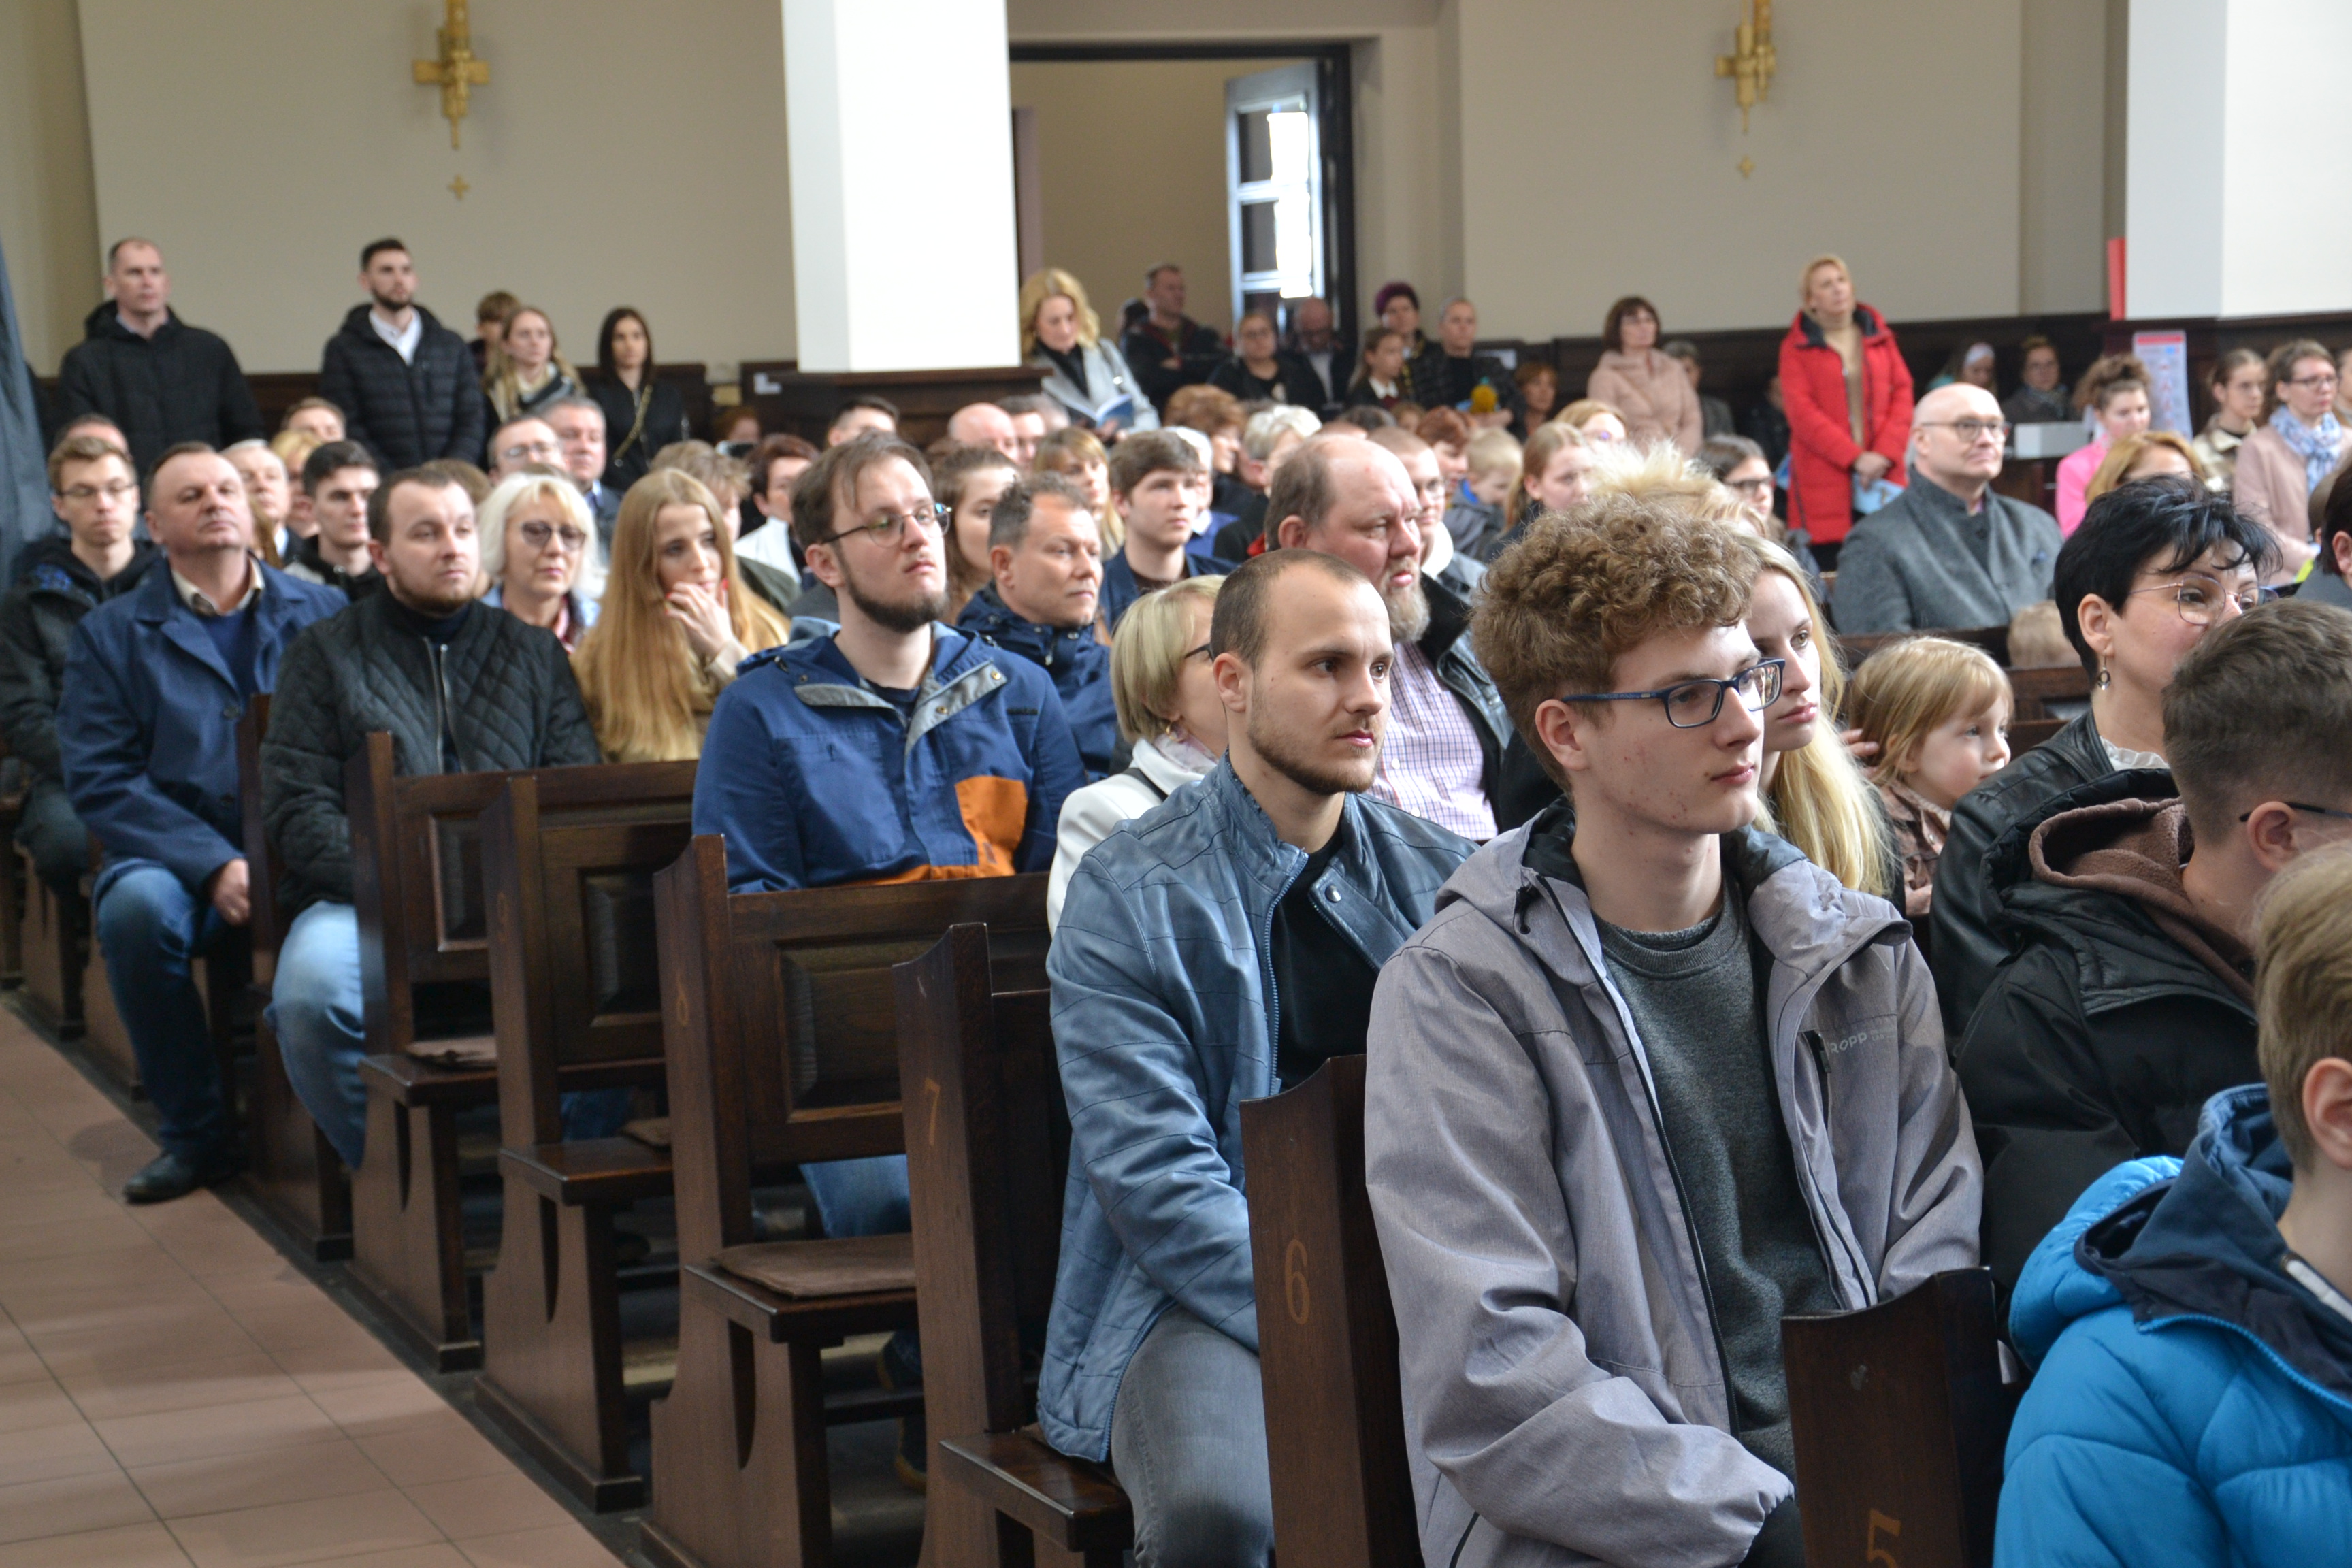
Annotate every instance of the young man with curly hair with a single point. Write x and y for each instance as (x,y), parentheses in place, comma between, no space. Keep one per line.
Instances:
(1646,1081)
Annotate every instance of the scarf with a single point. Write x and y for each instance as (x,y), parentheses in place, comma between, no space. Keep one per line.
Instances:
(2316,445)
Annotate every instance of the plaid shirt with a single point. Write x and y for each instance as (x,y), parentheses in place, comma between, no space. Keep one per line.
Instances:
(1430,762)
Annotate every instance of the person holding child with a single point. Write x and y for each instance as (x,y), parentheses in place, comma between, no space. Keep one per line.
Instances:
(1937,711)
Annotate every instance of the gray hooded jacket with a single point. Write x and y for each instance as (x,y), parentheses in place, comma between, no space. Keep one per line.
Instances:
(1564,1388)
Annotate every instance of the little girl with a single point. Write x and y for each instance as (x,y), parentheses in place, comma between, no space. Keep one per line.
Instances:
(1938,712)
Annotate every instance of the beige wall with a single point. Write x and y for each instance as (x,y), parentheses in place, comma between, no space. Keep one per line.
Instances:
(1599,158)
(1110,215)
(613,159)
(2062,250)
(48,219)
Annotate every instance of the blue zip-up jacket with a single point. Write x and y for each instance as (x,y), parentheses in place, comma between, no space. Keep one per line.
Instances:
(1080,667)
(1165,1020)
(816,779)
(148,720)
(2196,1404)
(1120,590)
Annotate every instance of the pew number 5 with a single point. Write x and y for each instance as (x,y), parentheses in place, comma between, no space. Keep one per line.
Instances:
(1295,1293)
(1881,1528)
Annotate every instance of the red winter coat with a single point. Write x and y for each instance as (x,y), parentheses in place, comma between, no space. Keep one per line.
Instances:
(1821,440)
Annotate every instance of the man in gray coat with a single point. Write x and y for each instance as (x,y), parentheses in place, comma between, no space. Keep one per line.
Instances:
(1950,553)
(1646,1081)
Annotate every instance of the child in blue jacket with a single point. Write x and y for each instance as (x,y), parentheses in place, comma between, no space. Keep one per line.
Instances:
(2192,1319)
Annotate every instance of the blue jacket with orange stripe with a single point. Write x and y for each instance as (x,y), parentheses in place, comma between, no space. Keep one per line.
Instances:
(817,778)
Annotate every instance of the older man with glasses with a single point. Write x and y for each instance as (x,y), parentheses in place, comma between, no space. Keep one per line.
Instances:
(1950,553)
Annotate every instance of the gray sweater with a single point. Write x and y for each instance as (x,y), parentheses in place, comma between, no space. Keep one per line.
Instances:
(1924,562)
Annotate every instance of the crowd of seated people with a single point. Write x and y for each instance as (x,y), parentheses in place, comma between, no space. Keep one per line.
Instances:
(1357,698)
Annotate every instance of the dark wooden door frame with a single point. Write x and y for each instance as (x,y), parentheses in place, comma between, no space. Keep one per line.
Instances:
(1335,87)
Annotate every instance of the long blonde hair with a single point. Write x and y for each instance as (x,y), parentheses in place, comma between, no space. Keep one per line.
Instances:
(1819,799)
(1906,689)
(1041,286)
(502,386)
(645,693)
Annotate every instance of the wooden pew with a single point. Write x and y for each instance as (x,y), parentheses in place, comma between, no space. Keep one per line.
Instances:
(53,934)
(2024,734)
(568,858)
(1326,1333)
(781,1037)
(2036,688)
(1899,1414)
(11,888)
(294,1173)
(987,1153)
(416,883)
(1856,646)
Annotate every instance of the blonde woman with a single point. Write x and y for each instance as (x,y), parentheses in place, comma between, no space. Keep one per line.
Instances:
(2146,455)
(675,623)
(1090,378)
(526,371)
(540,553)
(1597,422)
(1168,711)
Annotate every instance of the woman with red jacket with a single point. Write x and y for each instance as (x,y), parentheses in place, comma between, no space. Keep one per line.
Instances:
(1849,397)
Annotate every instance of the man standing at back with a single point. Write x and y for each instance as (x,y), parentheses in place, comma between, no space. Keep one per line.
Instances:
(406,383)
(154,689)
(1216,950)
(161,380)
(1951,552)
(1167,349)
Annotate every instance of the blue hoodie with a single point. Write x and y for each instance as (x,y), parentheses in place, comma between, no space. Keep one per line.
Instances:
(2194,1399)
(1080,667)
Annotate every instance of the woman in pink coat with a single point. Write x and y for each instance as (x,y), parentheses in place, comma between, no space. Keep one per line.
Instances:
(2115,389)
(1652,391)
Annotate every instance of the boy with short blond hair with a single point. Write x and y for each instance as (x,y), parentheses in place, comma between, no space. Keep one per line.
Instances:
(1648,1081)
(2193,1319)
(1476,519)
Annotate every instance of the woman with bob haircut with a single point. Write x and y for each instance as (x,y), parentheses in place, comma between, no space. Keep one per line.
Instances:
(1168,711)
(539,554)
(1648,388)
(643,413)
(1848,397)
(2298,443)
(526,370)
(1090,378)
(675,623)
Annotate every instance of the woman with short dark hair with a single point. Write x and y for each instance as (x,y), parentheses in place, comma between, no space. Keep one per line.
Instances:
(643,414)
(1648,386)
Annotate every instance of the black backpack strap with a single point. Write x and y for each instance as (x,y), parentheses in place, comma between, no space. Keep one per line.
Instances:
(1140,776)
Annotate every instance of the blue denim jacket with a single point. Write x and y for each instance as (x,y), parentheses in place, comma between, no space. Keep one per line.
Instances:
(1165,1021)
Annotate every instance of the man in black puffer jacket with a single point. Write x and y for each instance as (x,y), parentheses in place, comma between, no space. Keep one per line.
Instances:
(60,579)
(462,688)
(406,383)
(161,380)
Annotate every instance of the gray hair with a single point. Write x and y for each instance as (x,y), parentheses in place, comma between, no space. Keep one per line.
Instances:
(519,488)
(1268,425)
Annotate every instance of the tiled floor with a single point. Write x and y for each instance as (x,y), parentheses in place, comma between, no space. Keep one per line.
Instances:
(171,1392)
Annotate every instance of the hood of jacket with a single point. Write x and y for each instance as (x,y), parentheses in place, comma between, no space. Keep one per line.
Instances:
(2136,849)
(49,565)
(2201,1246)
(1058,648)
(1806,332)
(105,321)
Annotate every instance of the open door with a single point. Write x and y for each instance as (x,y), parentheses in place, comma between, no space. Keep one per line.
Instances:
(1275,186)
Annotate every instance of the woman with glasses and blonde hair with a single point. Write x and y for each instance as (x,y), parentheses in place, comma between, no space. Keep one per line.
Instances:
(2298,443)
(675,623)
(1168,711)
(1089,377)
(539,552)
(526,371)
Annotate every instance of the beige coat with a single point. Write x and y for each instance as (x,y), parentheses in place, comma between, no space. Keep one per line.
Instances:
(1654,394)
(2270,484)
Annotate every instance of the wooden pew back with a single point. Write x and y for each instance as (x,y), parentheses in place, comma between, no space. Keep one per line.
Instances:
(268,927)
(1899,1416)
(1334,1432)
(568,858)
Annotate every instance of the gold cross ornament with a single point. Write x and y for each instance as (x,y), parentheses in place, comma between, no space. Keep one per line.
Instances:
(1751,67)
(456,72)
(458,187)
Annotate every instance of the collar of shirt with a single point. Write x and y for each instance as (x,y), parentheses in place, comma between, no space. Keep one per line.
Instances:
(197,601)
(404,340)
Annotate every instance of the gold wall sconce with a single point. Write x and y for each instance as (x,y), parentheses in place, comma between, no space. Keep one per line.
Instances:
(1751,68)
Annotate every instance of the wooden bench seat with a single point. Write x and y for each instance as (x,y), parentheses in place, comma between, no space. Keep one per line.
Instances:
(589,1171)
(1069,1503)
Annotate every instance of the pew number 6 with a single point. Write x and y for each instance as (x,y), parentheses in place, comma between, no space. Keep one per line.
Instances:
(1295,1294)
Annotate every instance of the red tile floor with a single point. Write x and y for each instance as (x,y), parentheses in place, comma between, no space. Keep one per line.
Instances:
(173,1392)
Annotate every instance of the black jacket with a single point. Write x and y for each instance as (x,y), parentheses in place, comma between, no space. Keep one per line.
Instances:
(1442,381)
(1446,646)
(1967,948)
(1295,382)
(405,414)
(182,384)
(54,591)
(1196,347)
(629,447)
(2100,1039)
(307,562)
(498,694)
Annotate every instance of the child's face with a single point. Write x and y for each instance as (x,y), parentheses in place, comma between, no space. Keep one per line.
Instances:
(1490,489)
(1959,754)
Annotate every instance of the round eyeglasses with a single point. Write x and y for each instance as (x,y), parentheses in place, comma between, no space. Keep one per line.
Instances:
(892,528)
(1695,704)
(2202,600)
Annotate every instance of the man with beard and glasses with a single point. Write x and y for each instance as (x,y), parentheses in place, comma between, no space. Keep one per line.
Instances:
(1217,949)
(1447,730)
(462,688)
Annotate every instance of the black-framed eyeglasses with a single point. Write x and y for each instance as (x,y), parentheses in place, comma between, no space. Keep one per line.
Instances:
(891,529)
(2199,598)
(1196,652)
(2299,805)
(536,534)
(1969,429)
(115,490)
(1695,704)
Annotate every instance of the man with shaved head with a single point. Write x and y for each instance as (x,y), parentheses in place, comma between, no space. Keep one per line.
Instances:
(1354,500)
(1950,553)
(985,425)
(158,378)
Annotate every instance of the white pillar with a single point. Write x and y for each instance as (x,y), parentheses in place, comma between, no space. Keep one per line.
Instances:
(904,252)
(2234,104)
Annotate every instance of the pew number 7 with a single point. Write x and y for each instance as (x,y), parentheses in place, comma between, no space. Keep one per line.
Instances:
(1881,1527)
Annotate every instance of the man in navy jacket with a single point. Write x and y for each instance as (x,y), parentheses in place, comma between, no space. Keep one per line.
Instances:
(153,688)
